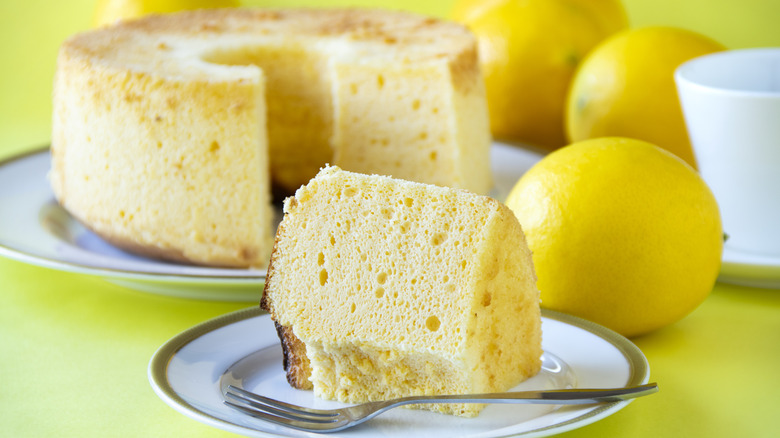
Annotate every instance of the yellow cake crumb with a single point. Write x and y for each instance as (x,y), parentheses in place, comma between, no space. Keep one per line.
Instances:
(393,288)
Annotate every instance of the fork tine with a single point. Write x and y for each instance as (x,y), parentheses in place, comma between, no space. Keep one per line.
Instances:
(267,412)
(251,396)
(304,425)
(279,408)
(259,414)
(286,420)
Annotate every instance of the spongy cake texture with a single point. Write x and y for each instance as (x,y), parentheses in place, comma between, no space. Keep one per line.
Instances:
(382,288)
(166,129)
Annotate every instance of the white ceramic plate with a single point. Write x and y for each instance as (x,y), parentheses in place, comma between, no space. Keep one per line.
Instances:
(189,372)
(35,229)
(748,269)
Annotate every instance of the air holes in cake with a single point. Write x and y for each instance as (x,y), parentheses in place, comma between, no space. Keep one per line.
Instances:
(438,239)
(432,323)
(380,81)
(433,156)
(405,227)
(214,147)
(379,292)
(121,213)
(381,278)
(486,299)
(352,308)
(320,259)
(363,257)
(323,277)
(423,135)
(450,288)
(350,192)
(463,265)
(416,104)
(386,212)
(408,202)
(332,240)
(353,88)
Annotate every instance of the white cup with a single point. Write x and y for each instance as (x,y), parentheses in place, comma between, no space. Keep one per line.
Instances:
(731,103)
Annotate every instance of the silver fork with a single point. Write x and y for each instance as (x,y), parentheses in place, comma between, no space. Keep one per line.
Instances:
(332,420)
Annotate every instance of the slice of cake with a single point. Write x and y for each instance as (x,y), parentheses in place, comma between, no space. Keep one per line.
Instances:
(169,131)
(382,288)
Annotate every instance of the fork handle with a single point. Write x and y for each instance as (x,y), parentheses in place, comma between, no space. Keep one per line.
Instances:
(555,397)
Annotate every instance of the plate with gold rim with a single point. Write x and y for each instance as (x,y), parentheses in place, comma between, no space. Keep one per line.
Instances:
(35,229)
(190,371)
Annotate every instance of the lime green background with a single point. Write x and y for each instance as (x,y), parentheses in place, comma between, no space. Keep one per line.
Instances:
(69,342)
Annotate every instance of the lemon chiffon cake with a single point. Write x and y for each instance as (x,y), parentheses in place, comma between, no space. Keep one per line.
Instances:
(381,288)
(165,129)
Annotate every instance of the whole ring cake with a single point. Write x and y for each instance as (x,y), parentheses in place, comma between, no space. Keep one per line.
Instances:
(170,131)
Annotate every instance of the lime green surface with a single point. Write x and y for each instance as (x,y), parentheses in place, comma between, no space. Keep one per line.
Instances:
(67,340)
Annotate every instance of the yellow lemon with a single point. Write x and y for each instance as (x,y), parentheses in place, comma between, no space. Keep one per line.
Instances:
(625,87)
(111,11)
(529,50)
(466,10)
(623,233)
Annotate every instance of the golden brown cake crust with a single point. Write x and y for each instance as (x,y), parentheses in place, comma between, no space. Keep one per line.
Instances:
(294,360)
(296,363)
